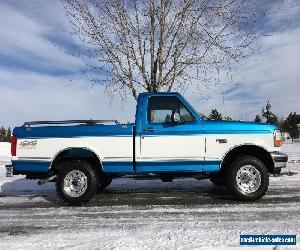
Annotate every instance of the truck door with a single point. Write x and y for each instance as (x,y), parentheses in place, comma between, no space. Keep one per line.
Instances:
(171,136)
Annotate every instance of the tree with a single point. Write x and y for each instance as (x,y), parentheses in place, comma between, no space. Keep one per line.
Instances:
(268,115)
(227,118)
(2,134)
(257,118)
(152,45)
(290,125)
(203,116)
(215,115)
(280,123)
(273,119)
(5,135)
(8,135)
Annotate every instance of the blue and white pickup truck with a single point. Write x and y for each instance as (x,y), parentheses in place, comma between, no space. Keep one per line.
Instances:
(169,139)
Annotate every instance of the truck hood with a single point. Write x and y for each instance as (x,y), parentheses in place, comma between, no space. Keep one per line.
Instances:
(234,126)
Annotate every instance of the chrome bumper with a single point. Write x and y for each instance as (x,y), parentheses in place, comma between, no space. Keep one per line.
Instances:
(9,170)
(280,159)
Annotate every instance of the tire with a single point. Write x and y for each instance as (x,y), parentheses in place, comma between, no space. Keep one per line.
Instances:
(77,182)
(247,178)
(104,182)
(218,179)
(277,171)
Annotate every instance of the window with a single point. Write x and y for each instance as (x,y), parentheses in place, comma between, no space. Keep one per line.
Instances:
(161,109)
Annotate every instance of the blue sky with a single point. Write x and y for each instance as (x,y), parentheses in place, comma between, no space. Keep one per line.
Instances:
(39,81)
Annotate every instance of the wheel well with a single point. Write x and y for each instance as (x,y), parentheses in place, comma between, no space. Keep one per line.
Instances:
(76,154)
(251,150)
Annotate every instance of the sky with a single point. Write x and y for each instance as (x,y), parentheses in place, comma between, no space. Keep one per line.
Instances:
(40,81)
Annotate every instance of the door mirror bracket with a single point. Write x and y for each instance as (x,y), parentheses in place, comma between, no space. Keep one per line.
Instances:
(175,117)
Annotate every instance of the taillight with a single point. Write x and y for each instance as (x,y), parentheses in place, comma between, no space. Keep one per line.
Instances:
(13,146)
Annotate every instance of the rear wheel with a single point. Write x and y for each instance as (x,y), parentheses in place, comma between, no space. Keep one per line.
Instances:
(247,178)
(77,182)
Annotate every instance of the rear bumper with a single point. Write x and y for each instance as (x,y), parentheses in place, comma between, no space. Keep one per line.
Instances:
(9,170)
(280,159)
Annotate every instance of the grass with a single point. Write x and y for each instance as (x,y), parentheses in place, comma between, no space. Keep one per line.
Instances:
(289,173)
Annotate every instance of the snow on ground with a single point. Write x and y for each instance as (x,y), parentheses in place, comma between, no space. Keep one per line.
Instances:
(147,214)
(4,153)
(17,185)
(293,150)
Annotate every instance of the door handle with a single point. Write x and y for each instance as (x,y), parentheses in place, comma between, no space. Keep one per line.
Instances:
(149,130)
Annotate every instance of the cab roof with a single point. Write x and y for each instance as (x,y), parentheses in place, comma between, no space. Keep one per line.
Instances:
(159,93)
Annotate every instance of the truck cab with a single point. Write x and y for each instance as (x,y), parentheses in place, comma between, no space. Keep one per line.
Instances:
(168,139)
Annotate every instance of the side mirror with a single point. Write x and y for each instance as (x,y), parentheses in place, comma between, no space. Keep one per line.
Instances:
(176,117)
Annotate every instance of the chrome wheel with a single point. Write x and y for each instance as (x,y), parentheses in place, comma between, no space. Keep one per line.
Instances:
(248,179)
(75,183)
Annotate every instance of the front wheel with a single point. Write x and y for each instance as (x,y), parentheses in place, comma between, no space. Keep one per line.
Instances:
(77,182)
(247,178)
(218,179)
(277,171)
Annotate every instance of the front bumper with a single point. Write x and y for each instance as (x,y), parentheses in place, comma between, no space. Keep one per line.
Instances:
(280,159)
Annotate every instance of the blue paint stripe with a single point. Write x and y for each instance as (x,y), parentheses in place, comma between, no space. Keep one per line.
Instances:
(80,136)
(177,168)
(74,131)
(127,166)
(216,162)
(161,166)
(117,166)
(171,163)
(126,131)
(152,167)
(206,132)
(211,168)
(31,166)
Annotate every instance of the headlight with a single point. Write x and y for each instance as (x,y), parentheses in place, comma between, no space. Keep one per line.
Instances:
(277,138)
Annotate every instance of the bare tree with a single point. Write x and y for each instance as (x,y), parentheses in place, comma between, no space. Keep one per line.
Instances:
(160,45)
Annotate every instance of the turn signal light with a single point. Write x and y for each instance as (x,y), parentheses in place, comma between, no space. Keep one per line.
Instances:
(278,143)
(277,138)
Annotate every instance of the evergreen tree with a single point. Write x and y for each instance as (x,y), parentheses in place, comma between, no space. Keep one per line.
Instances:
(273,119)
(215,115)
(5,135)
(257,118)
(227,118)
(267,113)
(290,125)
(8,135)
(280,123)
(203,116)
(2,134)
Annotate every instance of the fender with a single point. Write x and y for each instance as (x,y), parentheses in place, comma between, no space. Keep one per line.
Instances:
(70,148)
(241,145)
(256,150)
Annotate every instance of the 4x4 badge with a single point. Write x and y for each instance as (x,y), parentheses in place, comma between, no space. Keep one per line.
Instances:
(28,143)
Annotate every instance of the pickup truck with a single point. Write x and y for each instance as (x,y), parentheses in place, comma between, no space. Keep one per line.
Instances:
(169,139)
